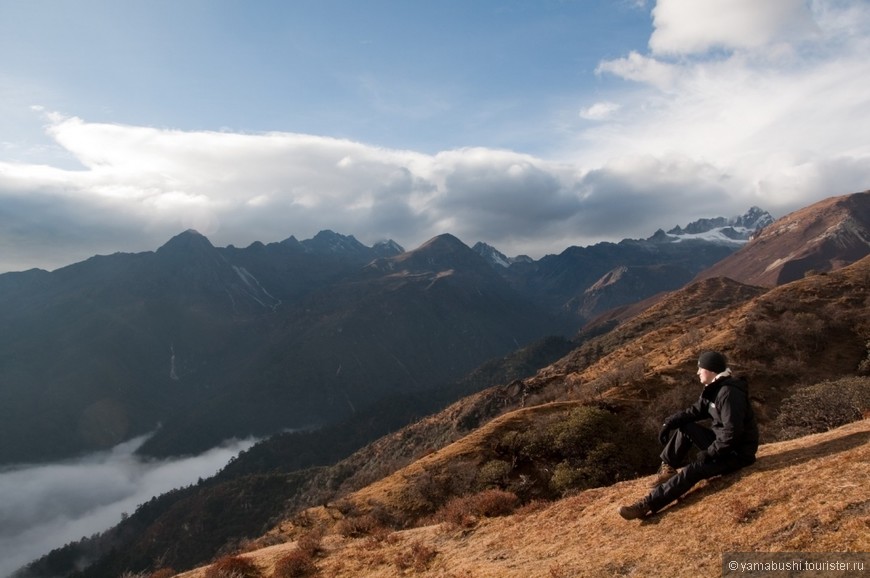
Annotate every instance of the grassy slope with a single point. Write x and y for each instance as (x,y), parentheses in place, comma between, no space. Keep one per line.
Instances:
(806,494)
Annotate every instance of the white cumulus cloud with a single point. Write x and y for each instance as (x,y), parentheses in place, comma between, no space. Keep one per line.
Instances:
(692,26)
(776,109)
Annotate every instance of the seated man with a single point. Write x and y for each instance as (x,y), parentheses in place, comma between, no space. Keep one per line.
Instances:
(730,444)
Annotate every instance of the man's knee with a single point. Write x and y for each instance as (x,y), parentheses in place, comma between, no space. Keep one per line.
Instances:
(697,471)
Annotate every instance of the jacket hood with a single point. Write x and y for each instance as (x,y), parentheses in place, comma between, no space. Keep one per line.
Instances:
(738,382)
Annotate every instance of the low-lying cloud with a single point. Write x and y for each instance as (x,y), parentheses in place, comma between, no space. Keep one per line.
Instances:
(46,506)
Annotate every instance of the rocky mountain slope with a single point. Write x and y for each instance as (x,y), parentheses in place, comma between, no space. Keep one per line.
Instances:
(406,323)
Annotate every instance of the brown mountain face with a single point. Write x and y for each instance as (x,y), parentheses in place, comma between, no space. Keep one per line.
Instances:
(822,237)
(624,284)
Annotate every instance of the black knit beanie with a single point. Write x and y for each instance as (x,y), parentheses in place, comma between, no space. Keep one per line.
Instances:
(712,361)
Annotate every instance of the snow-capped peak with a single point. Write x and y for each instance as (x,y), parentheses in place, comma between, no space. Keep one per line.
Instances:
(736,230)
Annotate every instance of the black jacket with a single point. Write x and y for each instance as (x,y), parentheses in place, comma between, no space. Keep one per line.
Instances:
(726,402)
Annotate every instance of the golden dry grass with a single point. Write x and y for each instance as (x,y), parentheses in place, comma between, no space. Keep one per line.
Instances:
(807,494)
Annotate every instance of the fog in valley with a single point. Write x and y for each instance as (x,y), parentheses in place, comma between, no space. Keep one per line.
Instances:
(44,506)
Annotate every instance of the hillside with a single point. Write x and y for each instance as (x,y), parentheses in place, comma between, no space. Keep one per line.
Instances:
(807,494)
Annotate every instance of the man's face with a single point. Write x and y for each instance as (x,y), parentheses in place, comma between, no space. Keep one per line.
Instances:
(706,376)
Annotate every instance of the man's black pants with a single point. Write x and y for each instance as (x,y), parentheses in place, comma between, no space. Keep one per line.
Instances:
(675,453)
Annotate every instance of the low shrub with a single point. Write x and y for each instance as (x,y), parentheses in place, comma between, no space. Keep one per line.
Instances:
(311,542)
(464,511)
(233,567)
(296,564)
(532,507)
(427,490)
(493,503)
(417,557)
(358,526)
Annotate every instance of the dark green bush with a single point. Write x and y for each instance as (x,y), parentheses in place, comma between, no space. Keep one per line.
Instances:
(584,448)
(822,407)
(493,473)
(565,477)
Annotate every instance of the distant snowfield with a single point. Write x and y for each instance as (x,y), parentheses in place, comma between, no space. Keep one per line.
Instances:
(715,236)
(44,506)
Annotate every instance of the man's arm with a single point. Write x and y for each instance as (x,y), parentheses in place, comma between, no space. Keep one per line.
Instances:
(694,412)
(731,403)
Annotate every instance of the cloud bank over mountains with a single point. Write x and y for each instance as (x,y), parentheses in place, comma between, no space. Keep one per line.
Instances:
(46,506)
(736,103)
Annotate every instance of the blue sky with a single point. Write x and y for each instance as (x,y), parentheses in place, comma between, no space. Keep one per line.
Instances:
(426,76)
(532,126)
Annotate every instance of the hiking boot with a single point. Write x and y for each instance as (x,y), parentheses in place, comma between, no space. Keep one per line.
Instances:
(665,473)
(635,511)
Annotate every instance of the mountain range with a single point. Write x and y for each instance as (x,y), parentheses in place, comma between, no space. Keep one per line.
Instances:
(627,358)
(199,344)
